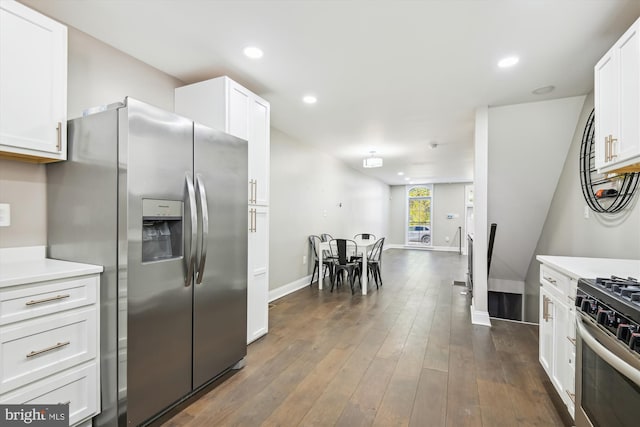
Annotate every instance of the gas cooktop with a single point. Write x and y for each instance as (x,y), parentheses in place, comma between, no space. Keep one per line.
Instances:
(621,294)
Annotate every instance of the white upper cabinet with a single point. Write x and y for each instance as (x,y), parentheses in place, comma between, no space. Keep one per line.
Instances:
(617,105)
(33,85)
(223,104)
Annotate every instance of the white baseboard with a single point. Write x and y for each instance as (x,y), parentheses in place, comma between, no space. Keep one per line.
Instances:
(278,293)
(422,248)
(480,317)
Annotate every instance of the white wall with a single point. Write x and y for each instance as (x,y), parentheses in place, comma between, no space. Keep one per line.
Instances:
(313,193)
(566,231)
(97,74)
(397,215)
(528,145)
(448,199)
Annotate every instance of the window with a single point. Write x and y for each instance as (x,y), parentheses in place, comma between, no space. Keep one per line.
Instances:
(419,215)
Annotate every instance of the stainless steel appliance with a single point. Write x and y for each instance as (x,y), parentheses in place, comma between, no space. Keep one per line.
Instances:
(161,203)
(608,352)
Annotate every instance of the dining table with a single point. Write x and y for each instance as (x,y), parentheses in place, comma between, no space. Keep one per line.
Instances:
(363,245)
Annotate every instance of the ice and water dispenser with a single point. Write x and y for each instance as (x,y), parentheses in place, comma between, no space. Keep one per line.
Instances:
(161,230)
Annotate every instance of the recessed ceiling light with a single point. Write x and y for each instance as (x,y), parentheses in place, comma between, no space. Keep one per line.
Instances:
(253,52)
(509,61)
(543,90)
(407,178)
(309,99)
(400,173)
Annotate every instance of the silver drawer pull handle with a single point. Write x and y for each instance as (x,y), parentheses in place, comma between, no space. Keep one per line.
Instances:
(40,301)
(549,279)
(44,350)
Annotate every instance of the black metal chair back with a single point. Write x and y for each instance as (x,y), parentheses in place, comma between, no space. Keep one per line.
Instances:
(314,242)
(343,249)
(376,251)
(365,236)
(326,237)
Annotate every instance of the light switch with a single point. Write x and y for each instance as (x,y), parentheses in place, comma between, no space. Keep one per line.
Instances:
(5,215)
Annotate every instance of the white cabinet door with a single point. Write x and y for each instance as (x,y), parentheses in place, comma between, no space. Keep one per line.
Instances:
(33,84)
(560,365)
(617,105)
(259,151)
(628,52)
(545,330)
(258,274)
(606,103)
(238,111)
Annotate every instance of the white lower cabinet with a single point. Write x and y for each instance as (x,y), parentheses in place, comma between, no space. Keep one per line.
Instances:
(49,344)
(557,332)
(258,273)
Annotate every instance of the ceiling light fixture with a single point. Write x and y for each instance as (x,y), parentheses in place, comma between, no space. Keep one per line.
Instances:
(372,161)
(253,52)
(309,99)
(400,173)
(509,61)
(543,90)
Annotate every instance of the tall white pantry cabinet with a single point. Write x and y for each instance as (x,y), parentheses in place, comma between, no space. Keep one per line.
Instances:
(223,104)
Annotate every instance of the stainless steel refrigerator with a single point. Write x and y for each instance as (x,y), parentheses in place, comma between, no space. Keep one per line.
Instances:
(161,203)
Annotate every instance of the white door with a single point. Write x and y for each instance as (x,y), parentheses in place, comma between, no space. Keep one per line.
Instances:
(628,53)
(258,273)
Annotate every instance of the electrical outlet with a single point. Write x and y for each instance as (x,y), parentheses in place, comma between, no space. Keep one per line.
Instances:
(446,239)
(304,259)
(586,212)
(5,214)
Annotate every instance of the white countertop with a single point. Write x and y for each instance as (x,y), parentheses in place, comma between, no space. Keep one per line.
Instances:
(28,265)
(590,268)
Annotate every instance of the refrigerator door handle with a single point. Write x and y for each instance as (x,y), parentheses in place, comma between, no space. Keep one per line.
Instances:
(205,228)
(194,229)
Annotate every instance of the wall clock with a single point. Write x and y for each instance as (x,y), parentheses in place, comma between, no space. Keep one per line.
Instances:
(604,193)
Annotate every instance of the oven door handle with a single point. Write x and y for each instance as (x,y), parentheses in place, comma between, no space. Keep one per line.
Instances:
(618,364)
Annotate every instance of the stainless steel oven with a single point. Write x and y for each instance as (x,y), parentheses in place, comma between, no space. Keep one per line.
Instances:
(607,360)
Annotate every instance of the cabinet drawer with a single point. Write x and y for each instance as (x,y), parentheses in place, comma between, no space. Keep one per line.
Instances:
(78,386)
(554,279)
(44,346)
(33,300)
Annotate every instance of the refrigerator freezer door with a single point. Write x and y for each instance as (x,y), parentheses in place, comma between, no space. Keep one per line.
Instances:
(156,153)
(220,299)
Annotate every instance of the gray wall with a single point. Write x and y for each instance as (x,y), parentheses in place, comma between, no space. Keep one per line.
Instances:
(528,144)
(97,74)
(447,198)
(566,231)
(313,193)
(397,215)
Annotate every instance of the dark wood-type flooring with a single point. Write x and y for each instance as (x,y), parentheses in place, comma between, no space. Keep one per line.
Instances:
(406,354)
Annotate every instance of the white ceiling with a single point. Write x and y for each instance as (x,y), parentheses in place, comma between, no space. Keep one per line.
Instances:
(391,76)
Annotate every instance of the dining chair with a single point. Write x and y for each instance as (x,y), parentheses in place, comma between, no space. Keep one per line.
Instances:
(343,250)
(365,236)
(375,261)
(326,237)
(327,263)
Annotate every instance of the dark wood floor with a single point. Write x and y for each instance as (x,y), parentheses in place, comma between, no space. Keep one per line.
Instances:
(406,354)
